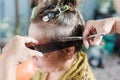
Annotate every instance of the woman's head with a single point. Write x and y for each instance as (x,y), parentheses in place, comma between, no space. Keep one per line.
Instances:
(49,29)
(67,23)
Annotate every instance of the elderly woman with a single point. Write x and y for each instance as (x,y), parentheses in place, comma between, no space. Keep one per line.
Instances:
(56,56)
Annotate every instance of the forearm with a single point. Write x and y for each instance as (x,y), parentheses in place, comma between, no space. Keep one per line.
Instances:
(115,22)
(7,70)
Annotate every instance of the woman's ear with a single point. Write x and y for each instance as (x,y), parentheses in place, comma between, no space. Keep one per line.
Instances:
(69,52)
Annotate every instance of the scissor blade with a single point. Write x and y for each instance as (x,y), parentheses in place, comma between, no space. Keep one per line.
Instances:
(81,38)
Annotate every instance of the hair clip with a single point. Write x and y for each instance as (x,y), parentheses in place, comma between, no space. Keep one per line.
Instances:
(52,6)
(52,15)
(45,18)
(63,9)
(33,12)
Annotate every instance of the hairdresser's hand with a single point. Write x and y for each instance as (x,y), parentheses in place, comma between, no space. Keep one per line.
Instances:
(16,50)
(94,27)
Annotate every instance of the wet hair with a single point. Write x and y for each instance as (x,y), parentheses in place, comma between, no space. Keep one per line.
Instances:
(69,23)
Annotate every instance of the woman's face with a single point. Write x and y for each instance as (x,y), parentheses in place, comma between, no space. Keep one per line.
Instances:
(50,61)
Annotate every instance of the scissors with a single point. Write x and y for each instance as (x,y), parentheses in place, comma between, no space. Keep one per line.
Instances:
(64,39)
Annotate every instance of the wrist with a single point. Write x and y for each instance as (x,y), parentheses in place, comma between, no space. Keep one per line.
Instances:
(10,60)
(8,70)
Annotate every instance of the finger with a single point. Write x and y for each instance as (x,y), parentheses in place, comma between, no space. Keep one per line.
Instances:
(29,54)
(30,40)
(31,44)
(24,40)
(96,41)
(87,30)
(86,43)
(35,53)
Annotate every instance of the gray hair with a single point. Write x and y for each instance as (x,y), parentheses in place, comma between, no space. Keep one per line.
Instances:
(69,23)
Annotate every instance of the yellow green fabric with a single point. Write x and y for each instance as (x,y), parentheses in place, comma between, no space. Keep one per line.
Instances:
(80,70)
(33,12)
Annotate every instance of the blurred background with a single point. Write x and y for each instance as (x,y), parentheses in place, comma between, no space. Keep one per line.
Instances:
(104,59)
(14,19)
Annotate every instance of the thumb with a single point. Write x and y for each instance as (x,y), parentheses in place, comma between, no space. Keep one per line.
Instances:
(86,43)
(35,53)
(97,40)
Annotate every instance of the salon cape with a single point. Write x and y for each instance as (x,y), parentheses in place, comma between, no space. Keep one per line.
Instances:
(80,70)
